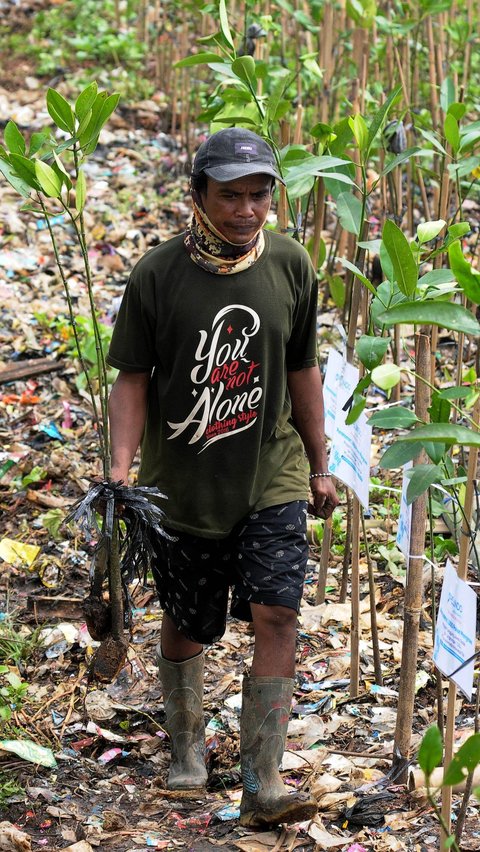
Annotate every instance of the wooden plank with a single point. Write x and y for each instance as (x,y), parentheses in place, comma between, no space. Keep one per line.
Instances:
(26,369)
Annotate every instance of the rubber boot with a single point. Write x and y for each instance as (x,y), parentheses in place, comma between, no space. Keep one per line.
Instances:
(263,729)
(183,702)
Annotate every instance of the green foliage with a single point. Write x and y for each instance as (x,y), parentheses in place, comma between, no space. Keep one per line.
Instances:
(82,34)
(17,644)
(430,752)
(9,788)
(12,693)
(50,171)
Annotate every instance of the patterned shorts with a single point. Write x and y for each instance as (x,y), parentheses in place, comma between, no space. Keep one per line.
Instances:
(262,560)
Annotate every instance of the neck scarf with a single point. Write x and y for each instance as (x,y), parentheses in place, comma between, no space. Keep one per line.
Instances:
(209,249)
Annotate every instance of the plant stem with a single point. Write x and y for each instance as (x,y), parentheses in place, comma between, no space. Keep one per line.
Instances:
(73,323)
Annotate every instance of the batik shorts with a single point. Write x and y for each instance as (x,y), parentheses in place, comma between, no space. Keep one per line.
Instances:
(262,561)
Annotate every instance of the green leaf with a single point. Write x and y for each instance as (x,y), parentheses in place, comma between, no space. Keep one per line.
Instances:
(452,132)
(400,253)
(459,229)
(429,230)
(19,185)
(198,59)
(60,111)
(371,349)
(439,409)
(83,124)
(447,93)
(421,478)
(359,130)
(387,265)
(396,417)
(80,191)
(222,12)
(457,110)
(399,454)
(465,761)
(48,179)
(386,376)
(468,279)
(244,68)
(358,274)
(300,177)
(400,158)
(359,403)
(349,211)
(435,278)
(446,433)
(102,109)
(430,752)
(25,169)
(362,12)
(14,139)
(85,101)
(380,116)
(37,140)
(458,392)
(336,285)
(434,451)
(445,314)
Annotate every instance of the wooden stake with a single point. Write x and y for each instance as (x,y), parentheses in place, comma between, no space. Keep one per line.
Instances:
(324,560)
(282,207)
(355,597)
(414,586)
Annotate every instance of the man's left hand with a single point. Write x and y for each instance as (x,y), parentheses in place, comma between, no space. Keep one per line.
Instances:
(324,495)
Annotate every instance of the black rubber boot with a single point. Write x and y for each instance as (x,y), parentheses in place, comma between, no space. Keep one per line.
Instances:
(182,685)
(263,731)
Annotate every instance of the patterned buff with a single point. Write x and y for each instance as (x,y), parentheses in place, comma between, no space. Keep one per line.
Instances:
(209,249)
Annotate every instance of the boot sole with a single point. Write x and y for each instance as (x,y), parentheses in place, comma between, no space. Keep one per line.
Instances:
(183,793)
(286,813)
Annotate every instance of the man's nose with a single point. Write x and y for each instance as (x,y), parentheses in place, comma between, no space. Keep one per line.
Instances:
(245,207)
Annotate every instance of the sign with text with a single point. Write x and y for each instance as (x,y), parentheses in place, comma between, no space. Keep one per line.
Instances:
(339,383)
(455,631)
(350,454)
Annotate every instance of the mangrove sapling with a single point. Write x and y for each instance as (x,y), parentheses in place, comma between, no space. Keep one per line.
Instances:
(460,767)
(53,173)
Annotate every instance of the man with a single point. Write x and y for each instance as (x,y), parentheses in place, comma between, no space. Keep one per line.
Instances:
(216,346)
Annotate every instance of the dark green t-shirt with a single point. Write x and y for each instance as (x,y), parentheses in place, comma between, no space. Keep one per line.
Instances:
(219,440)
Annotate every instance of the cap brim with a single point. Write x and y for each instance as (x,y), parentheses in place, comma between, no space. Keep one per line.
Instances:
(232,171)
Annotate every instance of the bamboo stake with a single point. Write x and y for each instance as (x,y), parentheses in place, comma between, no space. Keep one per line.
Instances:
(319,222)
(174,95)
(324,560)
(462,573)
(468,47)
(348,547)
(414,585)
(282,207)
(355,597)
(377,665)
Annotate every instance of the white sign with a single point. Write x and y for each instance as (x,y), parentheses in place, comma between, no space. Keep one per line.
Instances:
(339,383)
(455,631)
(350,454)
(405,517)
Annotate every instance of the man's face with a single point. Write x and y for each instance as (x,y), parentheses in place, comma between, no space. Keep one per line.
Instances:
(238,208)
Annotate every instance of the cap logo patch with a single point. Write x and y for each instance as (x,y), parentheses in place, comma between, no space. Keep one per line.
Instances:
(247,149)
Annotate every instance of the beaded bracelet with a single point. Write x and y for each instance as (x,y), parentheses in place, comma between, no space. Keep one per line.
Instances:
(318,475)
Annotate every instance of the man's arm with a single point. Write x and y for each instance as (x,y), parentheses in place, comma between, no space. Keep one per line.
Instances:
(306,394)
(127,408)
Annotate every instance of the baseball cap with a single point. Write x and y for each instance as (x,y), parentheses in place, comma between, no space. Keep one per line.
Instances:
(234,153)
